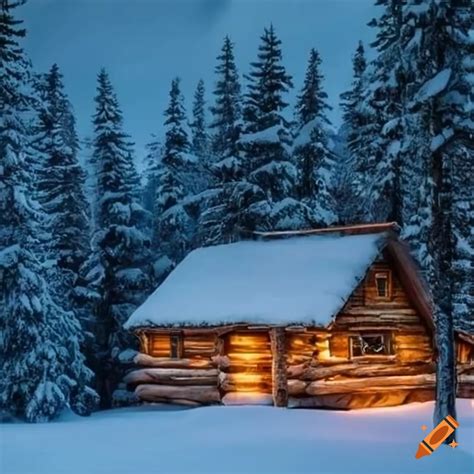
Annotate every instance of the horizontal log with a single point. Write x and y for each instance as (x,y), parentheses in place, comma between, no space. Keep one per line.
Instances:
(166,362)
(202,394)
(379,320)
(222,362)
(238,368)
(295,371)
(465,368)
(373,384)
(359,370)
(296,387)
(173,376)
(173,372)
(197,346)
(190,353)
(207,338)
(467,379)
(177,401)
(363,400)
(249,356)
(381,311)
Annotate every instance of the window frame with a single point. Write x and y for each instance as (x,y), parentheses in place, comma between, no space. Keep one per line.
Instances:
(387,339)
(387,276)
(178,337)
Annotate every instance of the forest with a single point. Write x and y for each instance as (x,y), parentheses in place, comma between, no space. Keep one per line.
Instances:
(83,241)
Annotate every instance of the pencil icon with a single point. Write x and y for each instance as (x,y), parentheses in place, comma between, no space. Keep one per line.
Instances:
(438,434)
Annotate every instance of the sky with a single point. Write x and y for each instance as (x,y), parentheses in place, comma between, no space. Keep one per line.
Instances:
(143,44)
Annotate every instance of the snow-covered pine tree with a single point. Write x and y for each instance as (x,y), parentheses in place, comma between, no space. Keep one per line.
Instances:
(121,246)
(43,369)
(438,50)
(174,226)
(220,214)
(270,201)
(199,134)
(60,183)
(382,192)
(226,112)
(350,175)
(314,160)
(152,161)
(459,151)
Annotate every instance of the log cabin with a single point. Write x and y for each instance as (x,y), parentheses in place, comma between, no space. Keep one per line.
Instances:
(335,318)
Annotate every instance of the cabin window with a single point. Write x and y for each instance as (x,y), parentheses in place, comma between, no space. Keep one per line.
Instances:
(175,346)
(371,345)
(382,285)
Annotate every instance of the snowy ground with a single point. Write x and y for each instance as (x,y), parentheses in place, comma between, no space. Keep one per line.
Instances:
(236,440)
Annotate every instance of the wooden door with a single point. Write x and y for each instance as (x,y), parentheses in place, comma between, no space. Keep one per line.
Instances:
(250,362)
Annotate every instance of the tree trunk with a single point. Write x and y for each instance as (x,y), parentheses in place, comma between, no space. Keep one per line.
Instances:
(279,385)
(442,281)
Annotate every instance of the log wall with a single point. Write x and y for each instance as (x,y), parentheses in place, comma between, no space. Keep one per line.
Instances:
(322,372)
(189,380)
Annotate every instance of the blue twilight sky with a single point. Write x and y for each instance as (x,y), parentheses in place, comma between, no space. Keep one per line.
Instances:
(145,43)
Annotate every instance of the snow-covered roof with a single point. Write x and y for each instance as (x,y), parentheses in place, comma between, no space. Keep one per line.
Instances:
(297,280)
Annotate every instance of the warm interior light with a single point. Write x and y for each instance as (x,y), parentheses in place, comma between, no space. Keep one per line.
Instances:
(250,362)
(247,377)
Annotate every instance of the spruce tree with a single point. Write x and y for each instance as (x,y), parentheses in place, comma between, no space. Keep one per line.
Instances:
(219,215)
(43,370)
(351,171)
(199,136)
(175,227)
(61,183)
(270,201)
(380,166)
(152,163)
(314,159)
(438,140)
(226,114)
(121,273)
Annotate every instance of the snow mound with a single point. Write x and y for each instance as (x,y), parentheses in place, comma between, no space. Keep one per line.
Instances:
(302,280)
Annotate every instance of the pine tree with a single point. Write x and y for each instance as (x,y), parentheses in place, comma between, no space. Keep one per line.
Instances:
(226,113)
(200,139)
(152,163)
(314,160)
(266,145)
(351,174)
(379,162)
(458,152)
(438,140)
(43,370)
(218,215)
(175,228)
(61,187)
(120,275)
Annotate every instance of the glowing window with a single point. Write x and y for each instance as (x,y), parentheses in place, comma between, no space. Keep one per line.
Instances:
(371,345)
